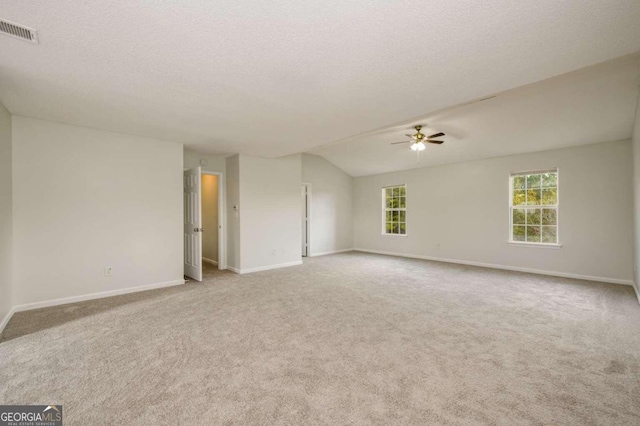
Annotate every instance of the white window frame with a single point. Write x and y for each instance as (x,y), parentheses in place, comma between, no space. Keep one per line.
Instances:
(556,206)
(385,209)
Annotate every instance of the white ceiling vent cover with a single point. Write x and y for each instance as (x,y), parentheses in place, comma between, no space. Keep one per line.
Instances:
(18,31)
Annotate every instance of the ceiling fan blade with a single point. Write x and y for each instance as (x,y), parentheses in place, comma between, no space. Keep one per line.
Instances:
(435,135)
(395,143)
(410,136)
(436,142)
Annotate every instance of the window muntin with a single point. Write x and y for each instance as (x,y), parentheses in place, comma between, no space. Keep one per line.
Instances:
(533,207)
(394,210)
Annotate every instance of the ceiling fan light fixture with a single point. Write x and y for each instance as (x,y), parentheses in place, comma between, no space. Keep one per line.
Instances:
(418,146)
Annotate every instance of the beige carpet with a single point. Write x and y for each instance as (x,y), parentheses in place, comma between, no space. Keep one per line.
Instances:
(344,339)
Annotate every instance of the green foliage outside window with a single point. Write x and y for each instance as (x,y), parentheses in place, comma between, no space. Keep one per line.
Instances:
(534,208)
(395,214)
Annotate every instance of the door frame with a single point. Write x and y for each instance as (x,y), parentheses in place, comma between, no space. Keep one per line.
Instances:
(309,212)
(222,218)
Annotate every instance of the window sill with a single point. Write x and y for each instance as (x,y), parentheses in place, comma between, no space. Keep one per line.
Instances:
(535,245)
(394,235)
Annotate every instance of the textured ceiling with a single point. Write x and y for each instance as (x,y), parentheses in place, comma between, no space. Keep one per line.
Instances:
(271,78)
(591,105)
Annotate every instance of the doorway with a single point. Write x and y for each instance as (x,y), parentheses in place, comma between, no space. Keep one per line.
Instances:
(204,231)
(210,222)
(306,213)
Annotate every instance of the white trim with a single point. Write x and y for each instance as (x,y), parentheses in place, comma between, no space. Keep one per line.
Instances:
(308,187)
(265,268)
(504,267)
(383,193)
(635,290)
(556,206)
(6,319)
(325,253)
(212,262)
(535,245)
(103,294)
(232,269)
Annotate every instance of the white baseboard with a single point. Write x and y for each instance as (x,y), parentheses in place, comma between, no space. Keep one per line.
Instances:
(212,262)
(264,268)
(325,253)
(75,299)
(506,268)
(6,319)
(635,290)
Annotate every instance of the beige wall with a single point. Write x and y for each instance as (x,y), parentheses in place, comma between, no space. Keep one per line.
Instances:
(636,198)
(460,212)
(214,163)
(85,199)
(6,214)
(270,211)
(331,205)
(210,217)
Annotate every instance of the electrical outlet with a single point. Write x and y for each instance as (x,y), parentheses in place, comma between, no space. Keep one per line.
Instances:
(108,271)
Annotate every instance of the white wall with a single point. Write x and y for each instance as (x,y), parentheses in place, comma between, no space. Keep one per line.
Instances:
(331,205)
(636,198)
(210,217)
(460,212)
(6,222)
(85,199)
(270,210)
(214,163)
(233,216)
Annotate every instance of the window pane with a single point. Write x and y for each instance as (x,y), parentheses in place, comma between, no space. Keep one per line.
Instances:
(389,203)
(388,216)
(519,217)
(519,233)
(403,191)
(519,197)
(396,191)
(402,216)
(403,228)
(550,196)
(389,228)
(533,197)
(549,234)
(396,228)
(533,181)
(533,217)
(549,179)
(394,216)
(395,202)
(519,182)
(533,234)
(549,217)
(388,192)
(402,203)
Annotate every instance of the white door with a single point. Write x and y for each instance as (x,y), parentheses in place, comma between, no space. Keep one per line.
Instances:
(305,221)
(192,225)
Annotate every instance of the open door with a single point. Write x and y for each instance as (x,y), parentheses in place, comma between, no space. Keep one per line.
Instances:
(192,225)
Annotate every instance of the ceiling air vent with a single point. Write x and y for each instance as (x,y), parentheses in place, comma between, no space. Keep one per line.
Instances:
(18,31)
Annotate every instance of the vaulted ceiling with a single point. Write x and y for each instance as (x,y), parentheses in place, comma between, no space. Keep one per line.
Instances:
(591,105)
(271,78)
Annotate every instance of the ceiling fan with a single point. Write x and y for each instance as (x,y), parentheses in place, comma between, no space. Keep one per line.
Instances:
(418,140)
(417,144)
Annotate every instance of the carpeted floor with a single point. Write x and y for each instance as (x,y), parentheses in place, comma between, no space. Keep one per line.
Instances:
(344,339)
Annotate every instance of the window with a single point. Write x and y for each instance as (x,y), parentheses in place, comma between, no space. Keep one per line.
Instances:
(534,207)
(394,216)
